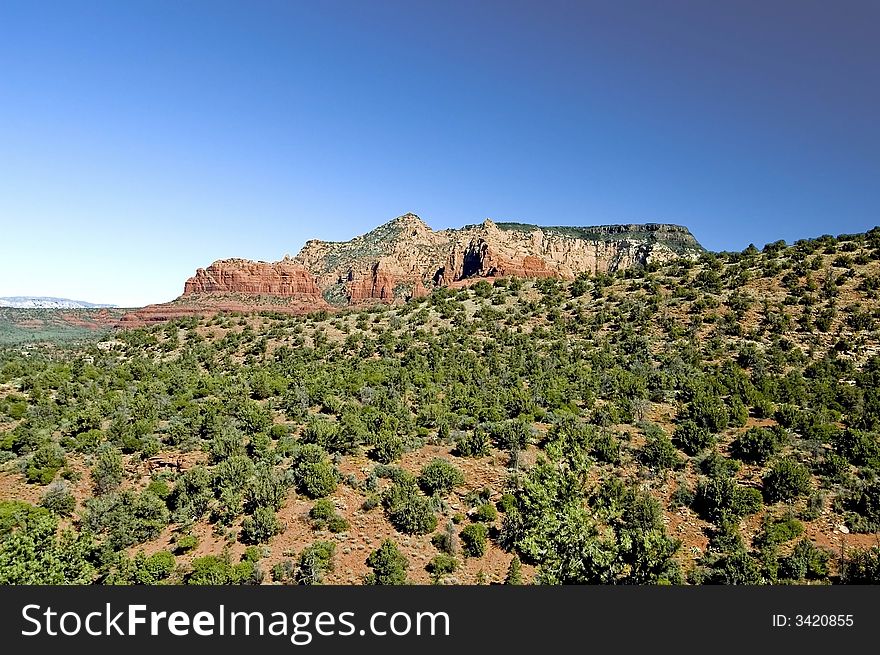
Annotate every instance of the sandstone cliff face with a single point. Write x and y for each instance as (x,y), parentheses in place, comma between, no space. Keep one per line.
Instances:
(239,285)
(284,278)
(405,258)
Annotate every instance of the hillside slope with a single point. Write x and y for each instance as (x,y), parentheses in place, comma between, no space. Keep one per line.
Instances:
(694,421)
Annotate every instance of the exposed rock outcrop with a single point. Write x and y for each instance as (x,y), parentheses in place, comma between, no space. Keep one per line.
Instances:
(239,285)
(284,278)
(405,258)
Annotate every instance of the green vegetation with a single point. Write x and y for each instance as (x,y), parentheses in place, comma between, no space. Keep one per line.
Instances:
(324,516)
(22,326)
(594,430)
(314,563)
(439,477)
(388,565)
(473,539)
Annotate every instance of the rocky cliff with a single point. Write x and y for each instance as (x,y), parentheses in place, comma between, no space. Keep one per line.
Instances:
(405,258)
(239,285)
(284,278)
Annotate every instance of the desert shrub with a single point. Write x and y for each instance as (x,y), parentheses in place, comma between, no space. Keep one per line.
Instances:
(227,442)
(407,510)
(708,411)
(439,476)
(388,447)
(755,445)
(857,446)
(185,543)
(485,513)
(659,452)
(720,498)
(261,527)
(227,508)
(324,515)
(279,431)
(514,572)
(683,496)
(32,552)
(266,488)
(473,539)
(388,565)
(108,470)
(143,570)
(806,561)
(441,565)
(692,438)
(738,568)
(124,518)
(605,447)
(85,442)
(312,472)
(322,510)
(218,570)
(506,503)
(446,541)
(59,499)
(337,524)
(786,480)
(473,443)
(46,461)
(510,435)
(834,466)
(738,413)
(714,464)
(314,563)
(777,531)
(283,571)
(861,566)
(865,504)
(233,473)
(191,495)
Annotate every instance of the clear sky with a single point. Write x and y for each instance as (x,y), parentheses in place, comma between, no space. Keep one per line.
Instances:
(141,140)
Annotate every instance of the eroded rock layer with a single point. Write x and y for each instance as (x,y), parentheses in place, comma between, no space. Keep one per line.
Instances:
(405,258)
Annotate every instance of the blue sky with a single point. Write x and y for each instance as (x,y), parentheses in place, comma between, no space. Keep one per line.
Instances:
(140,140)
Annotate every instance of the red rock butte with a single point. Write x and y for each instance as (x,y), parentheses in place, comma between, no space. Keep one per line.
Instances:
(405,258)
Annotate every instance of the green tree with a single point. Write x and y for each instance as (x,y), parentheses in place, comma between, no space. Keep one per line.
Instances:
(786,480)
(313,473)
(408,511)
(473,539)
(261,527)
(514,572)
(108,471)
(388,565)
(31,552)
(314,563)
(439,476)
(755,445)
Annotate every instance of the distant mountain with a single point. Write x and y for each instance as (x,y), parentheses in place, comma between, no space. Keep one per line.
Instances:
(43,302)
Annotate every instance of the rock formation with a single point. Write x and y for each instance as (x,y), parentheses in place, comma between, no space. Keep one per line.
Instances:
(239,285)
(284,278)
(405,258)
